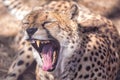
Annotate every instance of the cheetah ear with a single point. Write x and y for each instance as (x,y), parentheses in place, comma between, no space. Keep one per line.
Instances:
(74,11)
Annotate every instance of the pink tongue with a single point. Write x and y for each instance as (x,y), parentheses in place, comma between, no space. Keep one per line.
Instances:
(46,57)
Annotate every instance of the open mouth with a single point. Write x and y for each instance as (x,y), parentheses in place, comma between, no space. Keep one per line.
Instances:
(48,51)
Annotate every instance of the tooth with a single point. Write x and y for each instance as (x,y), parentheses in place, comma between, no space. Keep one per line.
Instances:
(54,56)
(48,41)
(45,42)
(38,43)
(32,41)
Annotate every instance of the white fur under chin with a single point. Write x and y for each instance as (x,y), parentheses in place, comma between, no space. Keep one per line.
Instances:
(37,57)
(64,54)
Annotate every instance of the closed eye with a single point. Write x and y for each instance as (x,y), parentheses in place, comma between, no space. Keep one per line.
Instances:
(46,22)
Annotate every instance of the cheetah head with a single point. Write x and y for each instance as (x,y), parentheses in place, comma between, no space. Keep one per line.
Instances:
(51,35)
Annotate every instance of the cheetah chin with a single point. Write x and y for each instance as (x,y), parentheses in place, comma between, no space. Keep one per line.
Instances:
(48,51)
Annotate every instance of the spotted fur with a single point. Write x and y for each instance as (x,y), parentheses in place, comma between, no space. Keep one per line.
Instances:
(89,43)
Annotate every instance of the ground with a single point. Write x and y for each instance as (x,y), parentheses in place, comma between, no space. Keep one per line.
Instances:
(9,28)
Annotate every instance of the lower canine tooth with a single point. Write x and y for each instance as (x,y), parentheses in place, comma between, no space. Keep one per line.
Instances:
(54,56)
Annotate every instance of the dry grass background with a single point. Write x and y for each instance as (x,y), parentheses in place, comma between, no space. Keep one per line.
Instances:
(10,26)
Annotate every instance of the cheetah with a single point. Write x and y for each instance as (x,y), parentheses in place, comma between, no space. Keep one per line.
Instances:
(68,42)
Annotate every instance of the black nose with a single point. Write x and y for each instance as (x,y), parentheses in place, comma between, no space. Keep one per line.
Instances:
(31,31)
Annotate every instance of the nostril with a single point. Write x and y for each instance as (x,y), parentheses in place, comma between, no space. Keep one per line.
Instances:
(31,31)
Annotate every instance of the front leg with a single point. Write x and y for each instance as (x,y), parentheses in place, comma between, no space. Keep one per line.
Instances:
(21,63)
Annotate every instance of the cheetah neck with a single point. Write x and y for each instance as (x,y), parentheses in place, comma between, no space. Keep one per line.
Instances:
(66,53)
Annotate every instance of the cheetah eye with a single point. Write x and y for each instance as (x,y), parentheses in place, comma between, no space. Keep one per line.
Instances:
(46,22)
(48,51)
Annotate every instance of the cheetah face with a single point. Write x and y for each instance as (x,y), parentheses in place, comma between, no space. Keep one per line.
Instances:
(48,31)
(46,46)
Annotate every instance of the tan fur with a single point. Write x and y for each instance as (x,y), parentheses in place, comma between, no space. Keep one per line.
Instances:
(89,43)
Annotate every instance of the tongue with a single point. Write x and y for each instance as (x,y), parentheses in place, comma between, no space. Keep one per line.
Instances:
(46,57)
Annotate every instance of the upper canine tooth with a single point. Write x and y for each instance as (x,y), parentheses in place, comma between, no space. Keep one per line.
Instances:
(38,43)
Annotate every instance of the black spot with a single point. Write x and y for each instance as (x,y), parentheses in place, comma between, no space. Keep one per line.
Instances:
(64,76)
(94,47)
(67,37)
(72,69)
(21,52)
(28,56)
(73,41)
(99,74)
(100,51)
(79,52)
(104,50)
(72,46)
(98,63)
(93,65)
(109,69)
(85,58)
(97,54)
(86,76)
(95,59)
(76,74)
(96,70)
(80,67)
(115,59)
(97,43)
(113,45)
(23,43)
(20,63)
(104,53)
(88,68)
(100,47)
(92,53)
(104,77)
(89,29)
(30,48)
(95,78)
(88,50)
(114,53)
(78,60)
(102,57)
(90,58)
(27,64)
(69,62)
(80,76)
(92,75)
(89,45)
(84,51)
